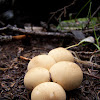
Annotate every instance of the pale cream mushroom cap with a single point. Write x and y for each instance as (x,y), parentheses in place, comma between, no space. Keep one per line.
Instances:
(48,91)
(45,61)
(61,54)
(68,74)
(36,76)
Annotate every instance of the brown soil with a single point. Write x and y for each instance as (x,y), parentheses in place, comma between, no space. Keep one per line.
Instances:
(11,79)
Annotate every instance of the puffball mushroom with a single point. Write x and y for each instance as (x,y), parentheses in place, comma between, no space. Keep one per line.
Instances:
(48,91)
(36,76)
(68,74)
(45,61)
(61,54)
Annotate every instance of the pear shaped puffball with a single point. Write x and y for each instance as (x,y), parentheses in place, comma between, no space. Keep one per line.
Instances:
(36,76)
(45,61)
(61,54)
(48,91)
(68,74)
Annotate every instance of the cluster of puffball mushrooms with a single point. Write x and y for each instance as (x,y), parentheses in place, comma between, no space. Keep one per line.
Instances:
(49,76)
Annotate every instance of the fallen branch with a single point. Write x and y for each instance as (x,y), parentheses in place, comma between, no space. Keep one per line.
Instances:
(10,37)
(41,33)
(87,63)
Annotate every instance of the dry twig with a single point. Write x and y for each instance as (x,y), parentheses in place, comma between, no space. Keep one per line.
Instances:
(24,58)
(39,33)
(87,63)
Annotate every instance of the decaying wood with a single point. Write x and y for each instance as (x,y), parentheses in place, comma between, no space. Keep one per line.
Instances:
(41,33)
(62,34)
(87,63)
(10,37)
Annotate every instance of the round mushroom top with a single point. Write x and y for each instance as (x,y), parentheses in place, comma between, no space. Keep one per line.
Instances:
(61,54)
(68,74)
(48,91)
(45,61)
(35,76)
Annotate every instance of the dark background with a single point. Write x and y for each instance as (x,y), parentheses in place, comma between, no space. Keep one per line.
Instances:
(34,11)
